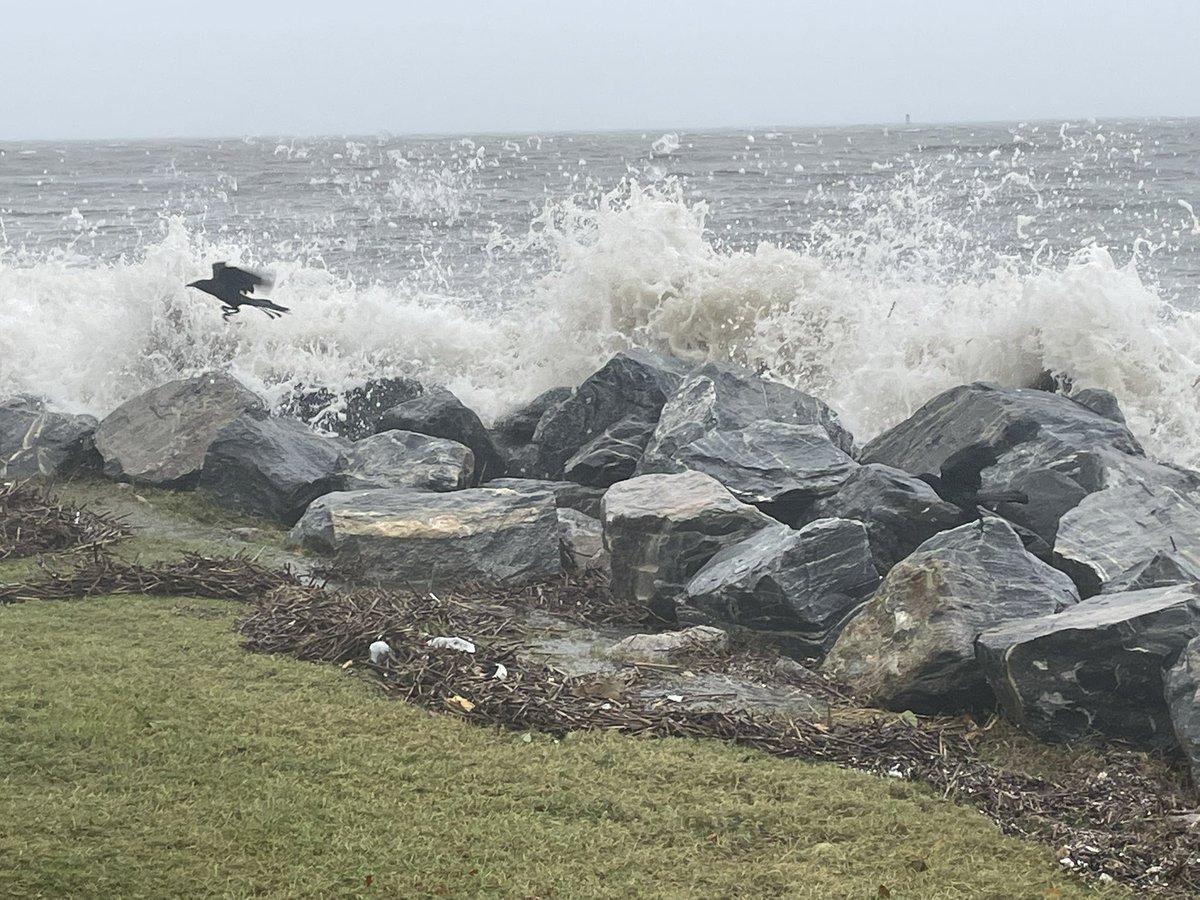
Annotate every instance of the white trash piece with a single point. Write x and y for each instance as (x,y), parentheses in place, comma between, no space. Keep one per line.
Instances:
(450,643)
(501,672)
(380,651)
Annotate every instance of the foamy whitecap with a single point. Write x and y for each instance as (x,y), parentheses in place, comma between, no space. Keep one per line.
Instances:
(875,318)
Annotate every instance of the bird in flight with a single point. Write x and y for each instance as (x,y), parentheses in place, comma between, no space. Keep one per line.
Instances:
(231,285)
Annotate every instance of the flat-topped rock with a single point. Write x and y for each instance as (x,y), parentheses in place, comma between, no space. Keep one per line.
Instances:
(1094,668)
(407,537)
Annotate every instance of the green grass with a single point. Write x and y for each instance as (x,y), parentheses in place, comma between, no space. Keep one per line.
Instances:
(144,754)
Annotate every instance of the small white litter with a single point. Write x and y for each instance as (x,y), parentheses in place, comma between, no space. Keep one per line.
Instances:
(501,673)
(450,643)
(675,698)
(380,652)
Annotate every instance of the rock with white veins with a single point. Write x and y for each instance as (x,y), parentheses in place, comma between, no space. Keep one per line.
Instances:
(803,585)
(661,529)
(407,537)
(1094,668)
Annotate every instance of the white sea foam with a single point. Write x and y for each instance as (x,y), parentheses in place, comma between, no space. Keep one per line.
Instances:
(876,318)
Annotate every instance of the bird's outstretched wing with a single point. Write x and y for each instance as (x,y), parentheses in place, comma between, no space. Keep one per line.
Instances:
(244,281)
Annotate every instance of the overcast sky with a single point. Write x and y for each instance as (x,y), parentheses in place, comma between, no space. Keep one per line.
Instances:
(134,68)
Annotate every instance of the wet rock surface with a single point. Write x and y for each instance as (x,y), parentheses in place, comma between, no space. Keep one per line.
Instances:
(913,645)
(800,585)
(161,437)
(1094,668)
(407,537)
(271,467)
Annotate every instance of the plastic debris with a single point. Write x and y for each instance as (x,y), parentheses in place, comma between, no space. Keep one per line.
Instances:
(380,652)
(462,702)
(501,673)
(450,643)
(675,698)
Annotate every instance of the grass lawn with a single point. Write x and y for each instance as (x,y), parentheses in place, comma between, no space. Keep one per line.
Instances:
(144,754)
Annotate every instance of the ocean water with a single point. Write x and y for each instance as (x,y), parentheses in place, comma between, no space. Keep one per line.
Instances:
(870,266)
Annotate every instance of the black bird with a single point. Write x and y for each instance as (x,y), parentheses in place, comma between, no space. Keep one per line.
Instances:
(961,485)
(230,285)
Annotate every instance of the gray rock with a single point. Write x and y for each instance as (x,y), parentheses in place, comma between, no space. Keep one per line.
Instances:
(661,529)
(802,584)
(1114,530)
(1101,402)
(982,412)
(406,459)
(668,644)
(439,413)
(582,539)
(761,439)
(271,467)
(513,432)
(764,462)
(354,413)
(912,646)
(161,437)
(900,512)
(1160,570)
(612,455)
(567,494)
(1052,494)
(633,384)
(405,537)
(1055,449)
(1182,695)
(1095,668)
(35,441)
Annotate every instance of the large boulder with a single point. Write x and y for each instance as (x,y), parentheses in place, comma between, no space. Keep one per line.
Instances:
(661,529)
(439,413)
(634,384)
(405,537)
(1095,668)
(271,467)
(1182,694)
(900,512)
(35,441)
(1053,448)
(764,441)
(1117,530)
(983,412)
(353,413)
(405,459)
(912,646)
(162,436)
(802,585)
